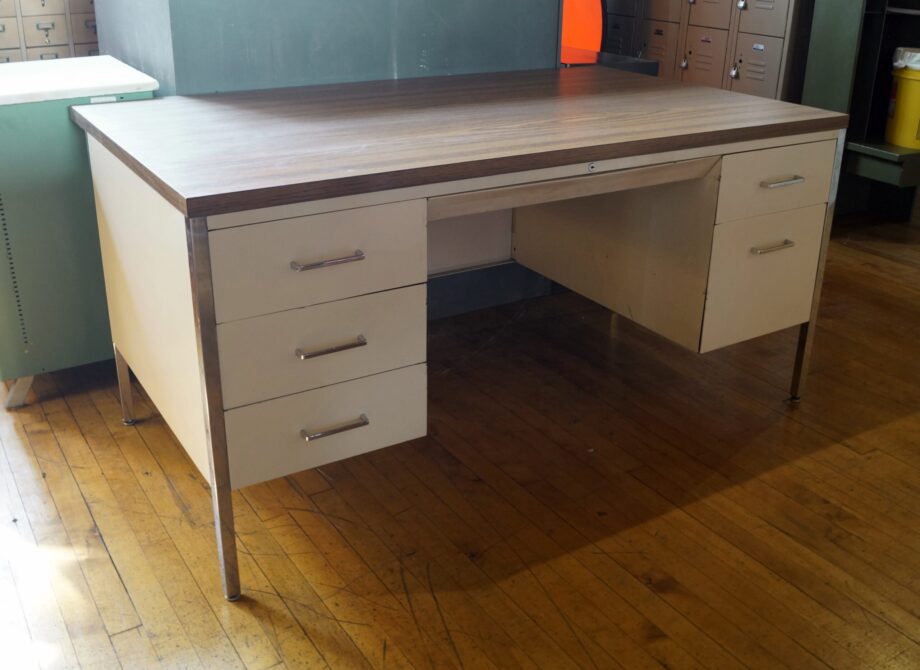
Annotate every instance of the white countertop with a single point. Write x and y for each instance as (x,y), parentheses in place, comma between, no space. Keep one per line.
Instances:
(65,78)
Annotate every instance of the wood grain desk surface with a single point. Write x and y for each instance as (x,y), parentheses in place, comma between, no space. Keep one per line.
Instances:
(231,152)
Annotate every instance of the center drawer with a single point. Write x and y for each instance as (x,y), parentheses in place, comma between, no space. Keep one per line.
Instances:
(297,350)
(266,440)
(269,267)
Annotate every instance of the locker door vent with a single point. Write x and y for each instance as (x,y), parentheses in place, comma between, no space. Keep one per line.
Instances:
(14,282)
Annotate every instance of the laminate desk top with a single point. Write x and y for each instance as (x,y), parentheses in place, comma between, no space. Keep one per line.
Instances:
(223,153)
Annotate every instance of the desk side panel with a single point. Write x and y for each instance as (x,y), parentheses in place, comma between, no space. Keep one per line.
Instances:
(148,289)
(643,253)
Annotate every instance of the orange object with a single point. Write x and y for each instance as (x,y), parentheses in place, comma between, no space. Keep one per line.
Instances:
(582,26)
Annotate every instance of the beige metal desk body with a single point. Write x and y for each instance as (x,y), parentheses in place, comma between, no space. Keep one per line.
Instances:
(281,338)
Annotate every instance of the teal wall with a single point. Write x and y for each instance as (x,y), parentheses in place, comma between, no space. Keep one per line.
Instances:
(138,33)
(227,45)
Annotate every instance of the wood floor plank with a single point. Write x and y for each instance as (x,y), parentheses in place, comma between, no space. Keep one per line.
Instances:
(134,649)
(644,504)
(892,612)
(189,604)
(44,568)
(589,496)
(158,464)
(693,472)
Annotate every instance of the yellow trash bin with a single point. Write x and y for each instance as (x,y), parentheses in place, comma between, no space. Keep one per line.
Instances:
(904,111)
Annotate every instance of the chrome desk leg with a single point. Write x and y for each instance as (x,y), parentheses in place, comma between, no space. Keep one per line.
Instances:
(218,461)
(124,389)
(807,330)
(802,360)
(19,389)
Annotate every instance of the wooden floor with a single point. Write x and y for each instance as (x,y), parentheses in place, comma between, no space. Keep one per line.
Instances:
(581,502)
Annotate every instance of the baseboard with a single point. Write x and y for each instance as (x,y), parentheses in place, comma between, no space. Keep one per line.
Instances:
(480,288)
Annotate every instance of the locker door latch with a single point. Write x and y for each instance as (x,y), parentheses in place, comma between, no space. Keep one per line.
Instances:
(742,4)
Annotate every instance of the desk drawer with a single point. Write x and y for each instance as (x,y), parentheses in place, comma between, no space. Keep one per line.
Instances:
(39,7)
(45,31)
(9,33)
(252,265)
(774,180)
(47,53)
(264,440)
(86,50)
(259,359)
(752,294)
(84,28)
(7,8)
(82,6)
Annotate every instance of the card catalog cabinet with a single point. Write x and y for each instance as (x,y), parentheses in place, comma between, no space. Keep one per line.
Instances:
(741,45)
(47,29)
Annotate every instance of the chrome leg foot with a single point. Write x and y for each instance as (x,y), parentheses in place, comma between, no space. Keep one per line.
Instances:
(802,362)
(124,389)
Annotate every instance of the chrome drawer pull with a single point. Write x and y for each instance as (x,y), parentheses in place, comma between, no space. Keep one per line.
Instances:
(354,258)
(360,423)
(797,179)
(760,251)
(306,355)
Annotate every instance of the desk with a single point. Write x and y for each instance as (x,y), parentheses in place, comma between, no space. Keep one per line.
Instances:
(265,252)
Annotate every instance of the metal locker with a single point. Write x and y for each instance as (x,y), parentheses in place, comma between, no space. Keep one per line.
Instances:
(704,61)
(621,35)
(660,10)
(659,42)
(711,13)
(755,69)
(623,7)
(764,17)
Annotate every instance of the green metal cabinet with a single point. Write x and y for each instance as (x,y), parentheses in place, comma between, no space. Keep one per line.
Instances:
(849,70)
(52,295)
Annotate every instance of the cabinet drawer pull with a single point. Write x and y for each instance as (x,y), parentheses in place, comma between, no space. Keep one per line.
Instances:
(45,25)
(354,258)
(361,341)
(780,183)
(360,423)
(760,251)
